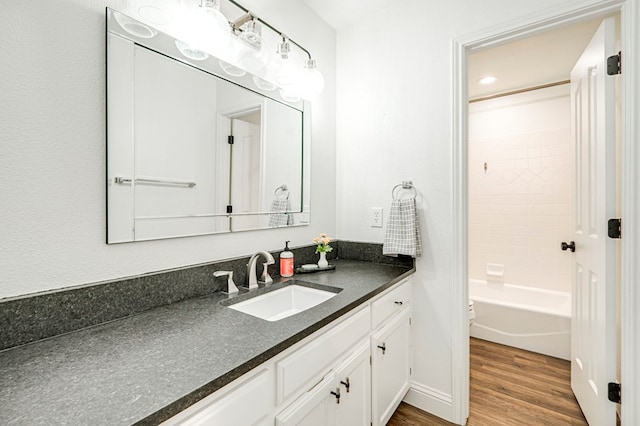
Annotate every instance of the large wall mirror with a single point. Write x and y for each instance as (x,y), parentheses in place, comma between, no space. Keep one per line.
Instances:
(193,150)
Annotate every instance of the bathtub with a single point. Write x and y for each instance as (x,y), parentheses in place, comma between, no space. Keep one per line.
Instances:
(534,319)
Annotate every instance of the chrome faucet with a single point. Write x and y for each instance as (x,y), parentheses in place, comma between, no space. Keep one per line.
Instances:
(252,280)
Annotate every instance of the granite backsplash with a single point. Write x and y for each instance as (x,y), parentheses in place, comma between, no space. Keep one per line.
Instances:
(38,316)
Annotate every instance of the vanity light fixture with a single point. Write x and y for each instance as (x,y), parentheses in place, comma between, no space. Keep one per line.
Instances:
(311,80)
(204,28)
(284,48)
(284,70)
(248,49)
(489,79)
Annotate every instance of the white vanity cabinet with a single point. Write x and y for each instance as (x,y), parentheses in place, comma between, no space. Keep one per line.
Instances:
(391,366)
(353,379)
(353,372)
(390,352)
(342,397)
(229,407)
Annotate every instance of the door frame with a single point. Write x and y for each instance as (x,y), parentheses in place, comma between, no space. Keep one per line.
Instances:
(549,19)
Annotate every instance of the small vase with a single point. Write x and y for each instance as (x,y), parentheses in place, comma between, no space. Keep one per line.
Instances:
(322,263)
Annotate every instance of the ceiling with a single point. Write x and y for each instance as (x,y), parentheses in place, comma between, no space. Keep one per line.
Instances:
(536,60)
(540,59)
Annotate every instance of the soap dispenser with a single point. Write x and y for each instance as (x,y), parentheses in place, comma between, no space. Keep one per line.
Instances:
(286,261)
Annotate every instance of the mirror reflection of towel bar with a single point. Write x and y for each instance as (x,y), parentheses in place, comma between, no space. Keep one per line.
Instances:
(127,181)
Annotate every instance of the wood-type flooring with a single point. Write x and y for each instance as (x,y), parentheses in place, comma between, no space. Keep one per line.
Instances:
(512,387)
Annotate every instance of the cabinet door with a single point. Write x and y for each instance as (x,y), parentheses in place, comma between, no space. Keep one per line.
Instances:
(353,378)
(317,407)
(229,409)
(390,372)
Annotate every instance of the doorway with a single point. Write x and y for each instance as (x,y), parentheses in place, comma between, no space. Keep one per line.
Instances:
(524,173)
(553,19)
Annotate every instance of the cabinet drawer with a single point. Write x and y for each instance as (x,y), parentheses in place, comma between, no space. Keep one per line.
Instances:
(315,358)
(390,303)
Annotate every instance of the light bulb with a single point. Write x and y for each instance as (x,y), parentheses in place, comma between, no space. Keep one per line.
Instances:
(205,29)
(488,79)
(285,72)
(311,82)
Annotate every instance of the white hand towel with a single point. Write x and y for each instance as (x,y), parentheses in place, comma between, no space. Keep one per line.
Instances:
(403,231)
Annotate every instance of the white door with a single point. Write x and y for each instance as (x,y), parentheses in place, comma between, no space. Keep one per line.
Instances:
(390,372)
(593,346)
(317,407)
(353,378)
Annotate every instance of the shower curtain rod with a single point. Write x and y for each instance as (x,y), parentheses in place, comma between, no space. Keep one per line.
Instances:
(515,92)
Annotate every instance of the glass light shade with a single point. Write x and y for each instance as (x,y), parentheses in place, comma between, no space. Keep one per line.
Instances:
(311,83)
(191,53)
(285,72)
(249,56)
(156,12)
(204,29)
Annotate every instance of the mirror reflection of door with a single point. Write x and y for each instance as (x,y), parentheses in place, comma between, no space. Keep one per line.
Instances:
(245,170)
(170,170)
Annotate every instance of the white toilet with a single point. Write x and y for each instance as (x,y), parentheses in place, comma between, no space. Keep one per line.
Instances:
(472,313)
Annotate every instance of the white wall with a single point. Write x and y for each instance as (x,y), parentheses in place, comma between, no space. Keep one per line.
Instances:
(394,123)
(52,164)
(520,207)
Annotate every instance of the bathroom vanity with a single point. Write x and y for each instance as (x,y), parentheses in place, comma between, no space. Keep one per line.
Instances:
(197,359)
(354,371)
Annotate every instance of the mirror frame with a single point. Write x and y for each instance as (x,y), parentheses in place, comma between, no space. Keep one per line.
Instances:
(118,141)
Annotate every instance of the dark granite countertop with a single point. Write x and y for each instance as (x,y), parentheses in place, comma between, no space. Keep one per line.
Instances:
(148,367)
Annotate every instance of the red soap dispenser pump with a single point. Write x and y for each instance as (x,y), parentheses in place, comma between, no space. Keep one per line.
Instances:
(286,261)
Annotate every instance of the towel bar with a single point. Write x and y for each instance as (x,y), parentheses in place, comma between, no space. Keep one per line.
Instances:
(153,181)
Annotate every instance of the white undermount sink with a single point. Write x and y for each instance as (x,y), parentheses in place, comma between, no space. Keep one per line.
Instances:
(283,303)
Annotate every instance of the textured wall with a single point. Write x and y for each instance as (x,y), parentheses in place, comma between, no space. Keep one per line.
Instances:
(394,123)
(52,164)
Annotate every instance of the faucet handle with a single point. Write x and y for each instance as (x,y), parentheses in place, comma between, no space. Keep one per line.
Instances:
(265,278)
(231,286)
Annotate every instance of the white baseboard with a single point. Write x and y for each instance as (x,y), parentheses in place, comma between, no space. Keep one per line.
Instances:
(430,400)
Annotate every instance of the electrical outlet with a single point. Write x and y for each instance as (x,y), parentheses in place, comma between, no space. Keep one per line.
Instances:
(376,217)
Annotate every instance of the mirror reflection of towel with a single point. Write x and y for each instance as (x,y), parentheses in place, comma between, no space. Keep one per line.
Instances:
(279,213)
(403,232)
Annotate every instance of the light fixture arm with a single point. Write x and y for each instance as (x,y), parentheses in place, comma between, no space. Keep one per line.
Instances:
(248,16)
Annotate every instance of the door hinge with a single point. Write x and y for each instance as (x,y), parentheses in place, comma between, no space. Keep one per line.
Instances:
(409,320)
(229,209)
(410,371)
(614,64)
(370,360)
(230,139)
(615,228)
(614,392)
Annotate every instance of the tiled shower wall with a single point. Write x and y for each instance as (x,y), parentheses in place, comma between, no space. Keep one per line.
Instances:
(520,199)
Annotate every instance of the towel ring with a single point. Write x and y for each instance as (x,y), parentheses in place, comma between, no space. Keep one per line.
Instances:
(407,184)
(280,189)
